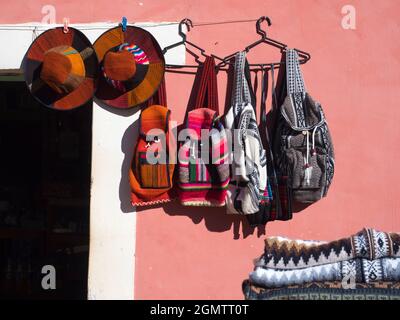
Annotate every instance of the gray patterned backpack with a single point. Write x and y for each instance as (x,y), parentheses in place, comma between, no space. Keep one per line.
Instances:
(303,147)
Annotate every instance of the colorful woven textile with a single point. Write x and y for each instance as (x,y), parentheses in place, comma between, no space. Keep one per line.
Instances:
(361,270)
(282,253)
(300,269)
(61,69)
(324,291)
(204,173)
(133,66)
(202,183)
(151,181)
(249,165)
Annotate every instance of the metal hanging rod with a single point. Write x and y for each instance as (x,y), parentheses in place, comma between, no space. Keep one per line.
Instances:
(200,24)
(254,67)
(304,56)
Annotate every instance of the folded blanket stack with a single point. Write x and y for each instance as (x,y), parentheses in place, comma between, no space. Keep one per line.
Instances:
(366,264)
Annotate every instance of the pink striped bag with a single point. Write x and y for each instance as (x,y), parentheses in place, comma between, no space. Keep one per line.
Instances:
(204,172)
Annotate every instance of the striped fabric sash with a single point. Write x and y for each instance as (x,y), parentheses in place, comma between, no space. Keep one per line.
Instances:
(208,91)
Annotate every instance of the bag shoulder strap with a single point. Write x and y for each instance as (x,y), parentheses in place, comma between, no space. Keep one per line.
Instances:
(264,94)
(208,89)
(296,89)
(266,129)
(160,96)
(280,89)
(241,91)
(252,91)
(295,82)
(155,114)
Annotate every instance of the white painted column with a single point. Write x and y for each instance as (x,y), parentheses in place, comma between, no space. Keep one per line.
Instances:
(112,218)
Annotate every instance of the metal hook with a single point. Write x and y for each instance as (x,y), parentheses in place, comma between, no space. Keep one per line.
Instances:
(35,33)
(66,24)
(261,32)
(188,23)
(124,23)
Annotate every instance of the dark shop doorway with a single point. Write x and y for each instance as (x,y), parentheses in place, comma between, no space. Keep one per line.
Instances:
(44,196)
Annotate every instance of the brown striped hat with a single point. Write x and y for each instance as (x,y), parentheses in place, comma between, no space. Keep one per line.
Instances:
(60,69)
(131,67)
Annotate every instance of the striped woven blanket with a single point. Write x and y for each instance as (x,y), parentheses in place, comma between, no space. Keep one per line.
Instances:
(361,270)
(283,253)
(324,291)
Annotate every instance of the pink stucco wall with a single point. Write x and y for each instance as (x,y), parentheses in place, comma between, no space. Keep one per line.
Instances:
(203,253)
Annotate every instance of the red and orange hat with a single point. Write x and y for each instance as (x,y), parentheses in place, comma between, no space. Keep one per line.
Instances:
(132,67)
(60,69)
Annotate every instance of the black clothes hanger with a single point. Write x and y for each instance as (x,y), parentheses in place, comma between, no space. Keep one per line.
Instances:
(304,56)
(189,24)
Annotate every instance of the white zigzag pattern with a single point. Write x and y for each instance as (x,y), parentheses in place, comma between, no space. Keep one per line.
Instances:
(279,278)
(321,260)
(386,269)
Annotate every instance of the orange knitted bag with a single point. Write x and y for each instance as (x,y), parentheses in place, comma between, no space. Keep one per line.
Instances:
(151,179)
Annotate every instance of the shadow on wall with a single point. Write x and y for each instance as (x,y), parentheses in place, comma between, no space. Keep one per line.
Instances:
(127,147)
(215,219)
